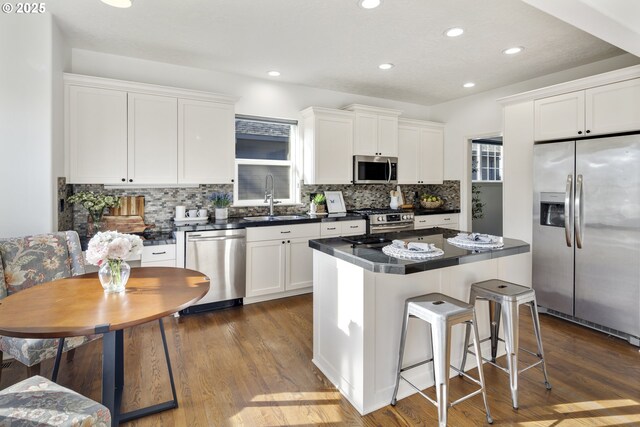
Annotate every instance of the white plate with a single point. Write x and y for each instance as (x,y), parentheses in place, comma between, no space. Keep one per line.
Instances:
(189,221)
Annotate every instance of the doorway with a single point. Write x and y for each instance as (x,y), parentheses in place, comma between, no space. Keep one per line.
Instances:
(486,185)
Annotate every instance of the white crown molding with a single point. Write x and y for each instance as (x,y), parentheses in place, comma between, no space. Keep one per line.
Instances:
(413,122)
(314,110)
(370,109)
(622,74)
(145,88)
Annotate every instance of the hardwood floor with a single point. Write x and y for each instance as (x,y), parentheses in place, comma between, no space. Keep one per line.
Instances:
(252,366)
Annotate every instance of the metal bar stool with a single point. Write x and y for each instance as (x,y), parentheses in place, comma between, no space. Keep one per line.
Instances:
(441,312)
(506,297)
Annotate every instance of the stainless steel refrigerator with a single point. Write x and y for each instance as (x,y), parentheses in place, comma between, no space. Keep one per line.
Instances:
(586,232)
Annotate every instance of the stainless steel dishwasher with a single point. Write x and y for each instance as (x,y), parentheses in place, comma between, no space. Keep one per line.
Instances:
(221,255)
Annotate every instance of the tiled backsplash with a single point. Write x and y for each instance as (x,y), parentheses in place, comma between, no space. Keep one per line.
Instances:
(160,202)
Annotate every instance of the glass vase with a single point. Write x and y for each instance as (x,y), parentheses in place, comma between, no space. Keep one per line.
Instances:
(94,224)
(113,275)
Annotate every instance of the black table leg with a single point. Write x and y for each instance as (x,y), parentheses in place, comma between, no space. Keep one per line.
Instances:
(111,392)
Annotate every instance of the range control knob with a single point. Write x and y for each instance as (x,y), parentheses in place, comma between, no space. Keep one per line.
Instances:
(380,218)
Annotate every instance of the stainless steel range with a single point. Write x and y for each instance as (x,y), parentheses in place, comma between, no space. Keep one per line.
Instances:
(386,220)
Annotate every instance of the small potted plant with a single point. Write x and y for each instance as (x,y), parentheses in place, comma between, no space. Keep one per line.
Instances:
(221,202)
(95,204)
(318,204)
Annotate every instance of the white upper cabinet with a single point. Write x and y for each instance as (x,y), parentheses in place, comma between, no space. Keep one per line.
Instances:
(376,131)
(206,142)
(96,129)
(127,133)
(153,127)
(328,142)
(613,108)
(420,152)
(559,116)
(600,110)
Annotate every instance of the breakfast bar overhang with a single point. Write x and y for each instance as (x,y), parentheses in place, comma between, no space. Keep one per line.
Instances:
(358,303)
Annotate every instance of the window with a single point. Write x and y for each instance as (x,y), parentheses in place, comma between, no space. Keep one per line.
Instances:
(486,158)
(264,147)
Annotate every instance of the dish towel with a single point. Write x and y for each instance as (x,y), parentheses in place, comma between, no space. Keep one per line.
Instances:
(476,241)
(412,250)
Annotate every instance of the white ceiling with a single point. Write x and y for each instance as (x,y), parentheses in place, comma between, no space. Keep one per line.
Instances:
(334,44)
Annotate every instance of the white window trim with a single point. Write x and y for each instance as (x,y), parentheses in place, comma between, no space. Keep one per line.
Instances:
(293,200)
(479,172)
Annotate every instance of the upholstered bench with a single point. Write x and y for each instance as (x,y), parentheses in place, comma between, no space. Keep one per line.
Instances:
(37,401)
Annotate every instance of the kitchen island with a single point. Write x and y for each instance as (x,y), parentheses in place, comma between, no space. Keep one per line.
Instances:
(358,302)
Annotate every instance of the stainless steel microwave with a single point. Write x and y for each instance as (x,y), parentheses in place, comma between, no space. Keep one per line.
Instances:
(375,170)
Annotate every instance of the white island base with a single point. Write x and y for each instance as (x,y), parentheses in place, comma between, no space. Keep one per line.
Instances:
(357,320)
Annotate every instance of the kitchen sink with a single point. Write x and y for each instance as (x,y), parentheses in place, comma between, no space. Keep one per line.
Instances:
(260,218)
(274,218)
(286,217)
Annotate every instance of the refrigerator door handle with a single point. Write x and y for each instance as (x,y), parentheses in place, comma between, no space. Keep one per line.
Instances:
(579,212)
(568,195)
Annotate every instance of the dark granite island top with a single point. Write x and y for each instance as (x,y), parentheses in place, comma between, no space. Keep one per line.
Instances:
(370,256)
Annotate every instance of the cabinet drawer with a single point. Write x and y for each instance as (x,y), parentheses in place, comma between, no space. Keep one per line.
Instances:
(428,221)
(342,228)
(353,227)
(329,229)
(158,253)
(255,234)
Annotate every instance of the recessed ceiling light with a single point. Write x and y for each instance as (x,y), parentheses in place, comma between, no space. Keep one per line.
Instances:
(513,50)
(469,84)
(454,32)
(369,4)
(386,66)
(274,73)
(119,3)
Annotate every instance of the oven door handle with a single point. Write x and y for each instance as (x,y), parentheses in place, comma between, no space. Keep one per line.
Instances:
(392,227)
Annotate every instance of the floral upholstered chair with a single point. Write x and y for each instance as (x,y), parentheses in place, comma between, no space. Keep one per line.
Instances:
(37,401)
(30,261)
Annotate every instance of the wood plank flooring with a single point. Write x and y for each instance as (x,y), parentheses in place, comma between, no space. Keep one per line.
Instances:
(251,366)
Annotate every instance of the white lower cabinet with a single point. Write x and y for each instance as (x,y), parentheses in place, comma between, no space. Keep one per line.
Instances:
(158,256)
(431,221)
(279,261)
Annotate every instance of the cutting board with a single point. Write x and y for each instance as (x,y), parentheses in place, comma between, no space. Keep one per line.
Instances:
(125,224)
(129,205)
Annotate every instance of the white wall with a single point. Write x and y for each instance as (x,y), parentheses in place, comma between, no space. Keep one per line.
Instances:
(61,61)
(259,97)
(480,115)
(27,205)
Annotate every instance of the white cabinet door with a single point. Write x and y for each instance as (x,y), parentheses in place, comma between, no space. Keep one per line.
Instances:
(559,116)
(153,133)
(431,156)
(613,108)
(266,267)
(328,146)
(388,136)
(97,135)
(366,135)
(353,228)
(420,152)
(206,142)
(408,158)
(299,264)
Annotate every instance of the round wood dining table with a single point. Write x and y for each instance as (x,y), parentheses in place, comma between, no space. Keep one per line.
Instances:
(78,305)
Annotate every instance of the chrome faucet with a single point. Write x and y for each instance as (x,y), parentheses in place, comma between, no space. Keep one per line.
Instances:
(268,193)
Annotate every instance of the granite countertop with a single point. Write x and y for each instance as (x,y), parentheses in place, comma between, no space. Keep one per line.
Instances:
(370,256)
(240,222)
